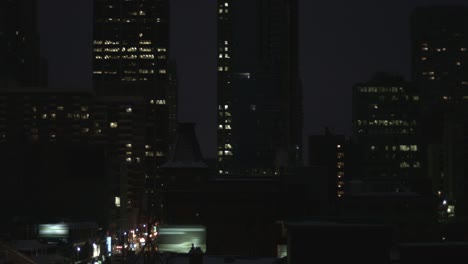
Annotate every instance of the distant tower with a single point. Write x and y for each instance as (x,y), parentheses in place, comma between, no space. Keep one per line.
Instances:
(131,58)
(131,47)
(440,51)
(20,60)
(259,91)
(386,126)
(440,69)
(131,64)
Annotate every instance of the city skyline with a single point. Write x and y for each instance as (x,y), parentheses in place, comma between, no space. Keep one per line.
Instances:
(338,48)
(101,166)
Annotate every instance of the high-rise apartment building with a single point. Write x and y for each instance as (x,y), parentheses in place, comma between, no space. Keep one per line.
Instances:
(20,60)
(259,91)
(58,119)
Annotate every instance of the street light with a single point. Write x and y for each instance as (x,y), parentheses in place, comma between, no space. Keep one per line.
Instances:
(78,249)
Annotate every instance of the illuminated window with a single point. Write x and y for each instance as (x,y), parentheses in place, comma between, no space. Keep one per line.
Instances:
(117,201)
(129,145)
(128,159)
(404,148)
(404,164)
(128,110)
(113,125)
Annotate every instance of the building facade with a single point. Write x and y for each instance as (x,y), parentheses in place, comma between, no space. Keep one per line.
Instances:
(440,69)
(259,91)
(131,58)
(386,126)
(58,119)
(328,150)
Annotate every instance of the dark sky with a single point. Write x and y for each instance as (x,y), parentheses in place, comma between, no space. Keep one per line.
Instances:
(342,42)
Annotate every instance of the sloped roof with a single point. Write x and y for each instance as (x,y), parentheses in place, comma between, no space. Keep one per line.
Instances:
(186,151)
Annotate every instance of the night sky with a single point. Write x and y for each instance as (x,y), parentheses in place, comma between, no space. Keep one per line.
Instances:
(342,42)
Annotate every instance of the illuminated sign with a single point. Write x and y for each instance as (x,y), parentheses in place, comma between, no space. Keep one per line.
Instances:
(109,245)
(179,239)
(53,230)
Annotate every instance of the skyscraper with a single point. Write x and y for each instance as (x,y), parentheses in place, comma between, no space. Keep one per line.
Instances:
(130,62)
(259,91)
(440,51)
(20,60)
(131,58)
(131,40)
(440,69)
